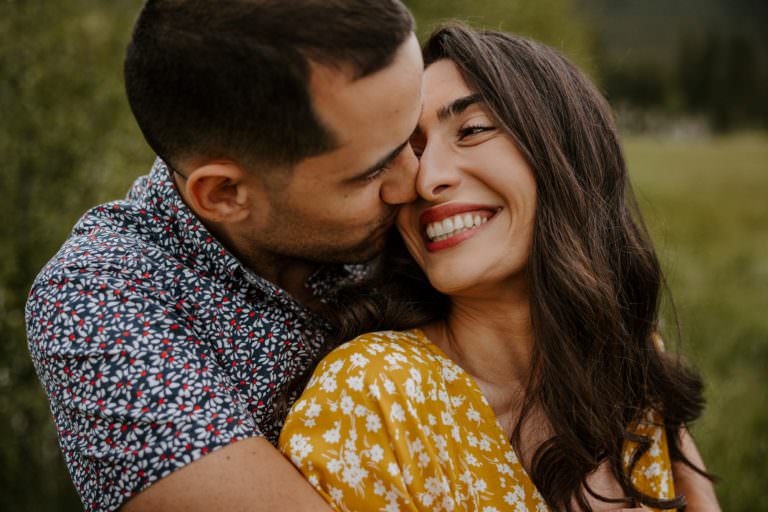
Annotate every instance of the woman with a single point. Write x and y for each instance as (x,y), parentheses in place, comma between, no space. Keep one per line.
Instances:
(531,376)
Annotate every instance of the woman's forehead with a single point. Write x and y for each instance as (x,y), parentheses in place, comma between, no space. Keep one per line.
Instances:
(443,84)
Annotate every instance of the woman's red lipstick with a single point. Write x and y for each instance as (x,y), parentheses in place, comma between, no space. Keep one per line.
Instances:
(432,220)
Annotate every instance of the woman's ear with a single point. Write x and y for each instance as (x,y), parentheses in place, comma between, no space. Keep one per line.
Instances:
(218,192)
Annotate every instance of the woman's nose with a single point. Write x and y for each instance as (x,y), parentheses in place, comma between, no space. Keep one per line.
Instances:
(438,174)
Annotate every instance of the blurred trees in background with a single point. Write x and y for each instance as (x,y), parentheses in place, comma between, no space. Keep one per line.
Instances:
(558,23)
(706,58)
(68,140)
(725,76)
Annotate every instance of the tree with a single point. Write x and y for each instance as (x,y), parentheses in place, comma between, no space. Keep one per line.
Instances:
(721,75)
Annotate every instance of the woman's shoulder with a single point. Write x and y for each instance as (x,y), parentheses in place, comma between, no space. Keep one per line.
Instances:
(390,348)
(382,352)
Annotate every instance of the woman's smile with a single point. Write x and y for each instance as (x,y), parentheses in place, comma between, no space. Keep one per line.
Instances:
(448,225)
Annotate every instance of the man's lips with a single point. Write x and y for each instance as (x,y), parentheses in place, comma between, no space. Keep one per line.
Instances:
(438,213)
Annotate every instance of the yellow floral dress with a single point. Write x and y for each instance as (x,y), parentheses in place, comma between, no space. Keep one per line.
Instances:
(389,423)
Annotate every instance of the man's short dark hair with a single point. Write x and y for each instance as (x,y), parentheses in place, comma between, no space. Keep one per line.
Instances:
(229,78)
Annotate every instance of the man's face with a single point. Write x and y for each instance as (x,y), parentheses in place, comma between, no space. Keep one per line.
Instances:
(338,206)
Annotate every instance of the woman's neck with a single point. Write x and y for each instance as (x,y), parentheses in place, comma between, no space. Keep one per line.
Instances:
(489,335)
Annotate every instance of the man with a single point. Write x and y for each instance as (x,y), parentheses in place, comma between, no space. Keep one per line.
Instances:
(169,326)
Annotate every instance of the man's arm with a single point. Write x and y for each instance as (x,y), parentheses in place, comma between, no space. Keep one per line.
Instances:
(140,402)
(697,489)
(248,475)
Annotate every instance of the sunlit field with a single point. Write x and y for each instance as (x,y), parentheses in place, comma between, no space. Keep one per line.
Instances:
(706,205)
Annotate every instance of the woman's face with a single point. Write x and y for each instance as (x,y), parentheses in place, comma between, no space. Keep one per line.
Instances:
(470,229)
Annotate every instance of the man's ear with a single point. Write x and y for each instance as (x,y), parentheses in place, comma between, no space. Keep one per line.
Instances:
(218,192)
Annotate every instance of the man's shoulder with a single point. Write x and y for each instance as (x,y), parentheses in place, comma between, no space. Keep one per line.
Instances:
(103,268)
(108,239)
(125,233)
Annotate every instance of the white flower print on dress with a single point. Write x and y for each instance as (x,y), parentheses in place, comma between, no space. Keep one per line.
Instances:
(300,448)
(417,435)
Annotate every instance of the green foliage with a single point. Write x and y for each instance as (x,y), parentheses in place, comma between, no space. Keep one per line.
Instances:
(724,78)
(706,58)
(67,141)
(558,23)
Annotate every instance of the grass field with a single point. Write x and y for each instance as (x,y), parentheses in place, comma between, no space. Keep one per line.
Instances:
(706,204)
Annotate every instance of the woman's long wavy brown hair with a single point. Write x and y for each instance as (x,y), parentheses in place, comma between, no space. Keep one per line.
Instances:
(594,277)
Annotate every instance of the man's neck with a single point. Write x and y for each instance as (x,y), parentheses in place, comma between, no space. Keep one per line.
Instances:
(290,274)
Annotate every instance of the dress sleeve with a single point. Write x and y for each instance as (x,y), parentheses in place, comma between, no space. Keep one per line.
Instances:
(132,393)
(652,475)
(355,434)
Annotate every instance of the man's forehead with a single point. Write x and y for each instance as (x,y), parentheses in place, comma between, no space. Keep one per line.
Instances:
(371,117)
(337,95)
(326,80)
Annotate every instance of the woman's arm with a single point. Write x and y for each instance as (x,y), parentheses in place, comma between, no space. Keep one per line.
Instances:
(698,490)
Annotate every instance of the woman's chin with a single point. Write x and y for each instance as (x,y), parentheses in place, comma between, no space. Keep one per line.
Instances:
(450,282)
(494,279)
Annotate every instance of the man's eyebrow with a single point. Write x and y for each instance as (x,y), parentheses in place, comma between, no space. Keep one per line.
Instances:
(457,106)
(381,163)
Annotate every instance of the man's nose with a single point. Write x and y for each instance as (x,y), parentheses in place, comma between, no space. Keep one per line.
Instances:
(399,185)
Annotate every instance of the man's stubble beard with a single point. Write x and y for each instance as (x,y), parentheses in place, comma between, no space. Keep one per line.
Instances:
(280,242)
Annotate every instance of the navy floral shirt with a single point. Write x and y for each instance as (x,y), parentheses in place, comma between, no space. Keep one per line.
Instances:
(156,346)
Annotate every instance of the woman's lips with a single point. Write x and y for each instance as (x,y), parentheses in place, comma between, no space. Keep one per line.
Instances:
(438,213)
(448,225)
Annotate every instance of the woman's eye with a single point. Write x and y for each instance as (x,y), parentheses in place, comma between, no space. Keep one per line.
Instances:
(468,131)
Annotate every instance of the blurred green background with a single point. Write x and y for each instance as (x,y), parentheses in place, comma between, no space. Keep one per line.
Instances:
(689,82)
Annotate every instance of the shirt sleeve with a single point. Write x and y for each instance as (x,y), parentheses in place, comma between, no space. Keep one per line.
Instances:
(133,391)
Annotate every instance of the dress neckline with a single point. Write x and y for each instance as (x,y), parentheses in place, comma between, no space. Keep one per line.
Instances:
(485,408)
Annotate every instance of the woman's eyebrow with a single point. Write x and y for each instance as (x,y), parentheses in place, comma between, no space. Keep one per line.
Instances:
(457,106)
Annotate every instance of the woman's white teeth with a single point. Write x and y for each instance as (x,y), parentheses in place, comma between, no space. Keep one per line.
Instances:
(437,231)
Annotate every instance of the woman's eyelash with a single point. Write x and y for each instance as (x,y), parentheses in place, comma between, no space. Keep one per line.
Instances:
(473,130)
(467,131)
